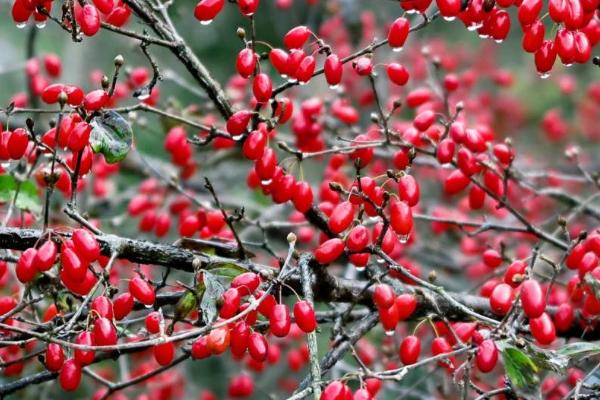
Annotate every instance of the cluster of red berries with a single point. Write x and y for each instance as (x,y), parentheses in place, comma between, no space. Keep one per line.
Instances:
(87,16)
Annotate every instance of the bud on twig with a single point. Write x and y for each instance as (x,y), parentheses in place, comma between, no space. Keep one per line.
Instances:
(291,237)
(432,276)
(119,61)
(241,33)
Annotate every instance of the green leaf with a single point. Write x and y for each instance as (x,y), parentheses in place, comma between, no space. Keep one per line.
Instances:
(27,198)
(548,359)
(213,292)
(8,186)
(519,367)
(593,283)
(226,271)
(112,136)
(579,349)
(217,278)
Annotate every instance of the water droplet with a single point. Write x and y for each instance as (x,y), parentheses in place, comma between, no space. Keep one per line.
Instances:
(360,268)
(449,19)
(302,83)
(142,94)
(334,87)
(266,182)
(284,76)
(410,12)
(397,49)
(544,75)
(499,40)
(40,25)
(207,22)
(237,137)
(403,238)
(21,25)
(474,26)
(292,80)
(148,306)
(390,333)
(483,36)
(568,65)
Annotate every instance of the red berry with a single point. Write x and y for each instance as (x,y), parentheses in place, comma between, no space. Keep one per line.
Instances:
(95,100)
(410,349)
(302,196)
(563,317)
(73,265)
(257,346)
(384,296)
(501,299)
(401,219)
(280,321)
(17,143)
(304,315)
(341,217)
(90,20)
(70,375)
(408,190)
(102,307)
(406,304)
(336,390)
(240,333)
(333,70)
(545,57)
(449,9)
(456,182)
(398,33)
(237,123)
(45,256)
(532,298)
(248,7)
(84,357)
(218,340)
(487,356)
(357,239)
(397,73)
(542,329)
(164,353)
(389,317)
(246,283)
(200,348)
(439,346)
(142,291)
(105,333)
(254,145)
(207,10)
(152,322)
(329,251)
(424,120)
(123,305)
(265,166)
(86,244)
(492,258)
(262,88)
(296,37)
(55,357)
(231,303)
(25,268)
(529,10)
